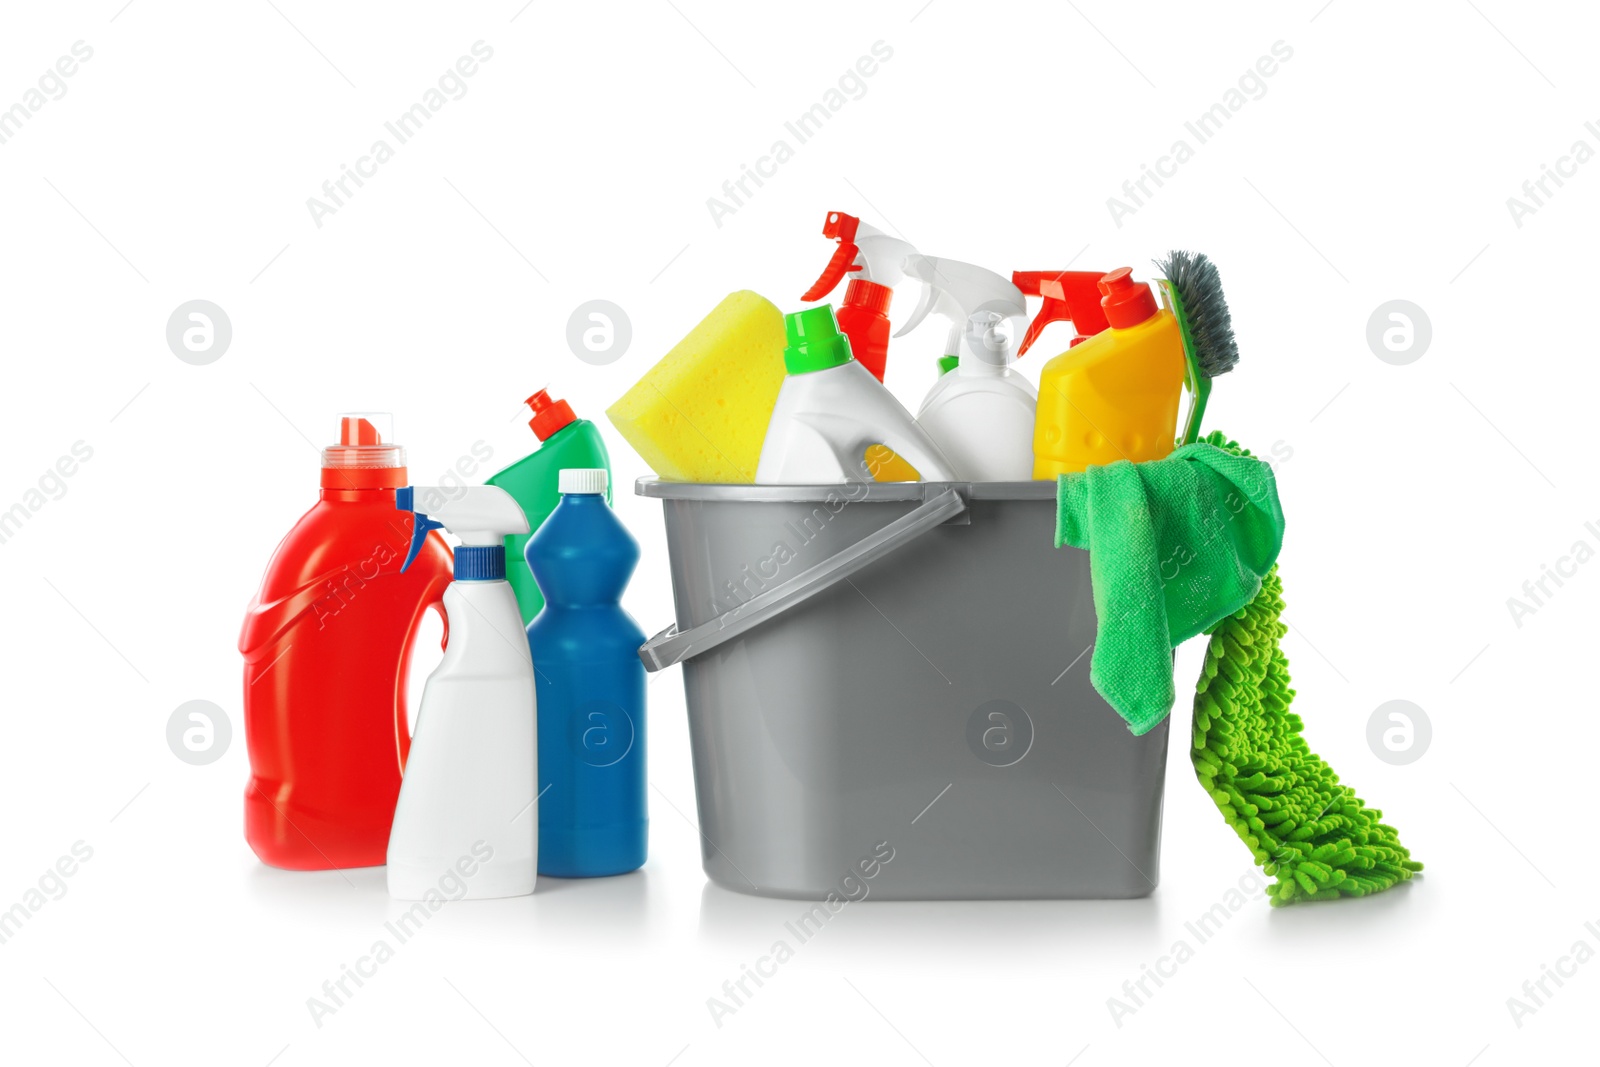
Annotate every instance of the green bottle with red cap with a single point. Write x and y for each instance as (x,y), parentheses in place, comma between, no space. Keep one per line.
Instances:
(533,482)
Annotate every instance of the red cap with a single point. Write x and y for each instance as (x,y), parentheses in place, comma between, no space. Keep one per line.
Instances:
(365,457)
(869,296)
(1126,302)
(548,415)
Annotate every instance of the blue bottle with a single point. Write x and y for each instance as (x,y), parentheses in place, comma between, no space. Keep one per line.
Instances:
(593,818)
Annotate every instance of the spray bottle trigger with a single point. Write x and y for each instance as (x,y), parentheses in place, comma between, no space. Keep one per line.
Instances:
(843,261)
(1052,311)
(404,500)
(842,228)
(925,304)
(1069,296)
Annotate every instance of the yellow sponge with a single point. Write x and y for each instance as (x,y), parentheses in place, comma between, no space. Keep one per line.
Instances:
(701,413)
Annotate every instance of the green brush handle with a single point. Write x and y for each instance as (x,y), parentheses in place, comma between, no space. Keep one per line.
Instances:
(1200,387)
(1199,384)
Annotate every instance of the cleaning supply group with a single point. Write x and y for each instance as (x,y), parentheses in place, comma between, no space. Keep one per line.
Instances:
(719,408)
(528,755)
(492,792)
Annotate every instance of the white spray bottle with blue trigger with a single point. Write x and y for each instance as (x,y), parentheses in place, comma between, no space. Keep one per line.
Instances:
(981,413)
(467,814)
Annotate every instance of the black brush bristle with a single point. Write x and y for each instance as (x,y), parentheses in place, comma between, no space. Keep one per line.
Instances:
(1200,288)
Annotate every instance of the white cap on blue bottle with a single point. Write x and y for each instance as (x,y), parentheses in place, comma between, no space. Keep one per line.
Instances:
(582,480)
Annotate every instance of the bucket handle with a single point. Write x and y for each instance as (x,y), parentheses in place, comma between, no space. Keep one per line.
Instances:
(671,646)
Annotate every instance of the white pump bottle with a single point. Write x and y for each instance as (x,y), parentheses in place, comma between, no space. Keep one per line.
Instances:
(467,812)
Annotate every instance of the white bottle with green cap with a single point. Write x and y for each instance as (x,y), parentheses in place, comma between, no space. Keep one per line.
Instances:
(831,409)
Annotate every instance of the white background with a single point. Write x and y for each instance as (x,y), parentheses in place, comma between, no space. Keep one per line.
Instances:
(1376,166)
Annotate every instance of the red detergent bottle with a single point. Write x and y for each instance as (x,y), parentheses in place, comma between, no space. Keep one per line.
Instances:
(326,644)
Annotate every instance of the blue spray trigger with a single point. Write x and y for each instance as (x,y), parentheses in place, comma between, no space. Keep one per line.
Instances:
(404,500)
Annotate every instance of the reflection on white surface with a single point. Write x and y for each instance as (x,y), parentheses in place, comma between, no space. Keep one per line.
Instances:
(873,926)
(563,908)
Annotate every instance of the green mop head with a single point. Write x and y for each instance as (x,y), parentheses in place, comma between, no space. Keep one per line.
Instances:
(1316,836)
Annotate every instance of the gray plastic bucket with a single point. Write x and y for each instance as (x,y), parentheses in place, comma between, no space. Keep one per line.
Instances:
(900,670)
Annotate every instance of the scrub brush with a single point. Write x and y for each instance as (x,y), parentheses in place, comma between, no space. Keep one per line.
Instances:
(1194,293)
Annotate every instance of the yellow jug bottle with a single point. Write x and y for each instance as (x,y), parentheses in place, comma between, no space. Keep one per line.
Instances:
(1115,395)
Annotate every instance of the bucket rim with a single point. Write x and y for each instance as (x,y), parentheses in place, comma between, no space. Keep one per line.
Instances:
(881,492)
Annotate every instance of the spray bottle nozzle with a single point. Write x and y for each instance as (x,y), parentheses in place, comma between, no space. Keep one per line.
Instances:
(976,301)
(869,254)
(481,515)
(1069,296)
(840,227)
(420,524)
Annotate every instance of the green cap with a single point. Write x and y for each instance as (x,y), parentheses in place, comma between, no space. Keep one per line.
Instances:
(948,364)
(814,340)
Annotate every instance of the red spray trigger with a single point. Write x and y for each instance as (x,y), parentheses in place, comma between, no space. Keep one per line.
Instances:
(842,228)
(1071,295)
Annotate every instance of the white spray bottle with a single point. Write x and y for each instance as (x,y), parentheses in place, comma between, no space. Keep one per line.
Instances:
(981,413)
(467,812)
(830,410)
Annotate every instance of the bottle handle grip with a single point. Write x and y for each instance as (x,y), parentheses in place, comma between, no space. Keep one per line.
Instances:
(402,732)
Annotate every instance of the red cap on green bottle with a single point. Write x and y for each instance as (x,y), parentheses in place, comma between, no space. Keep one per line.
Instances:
(549,415)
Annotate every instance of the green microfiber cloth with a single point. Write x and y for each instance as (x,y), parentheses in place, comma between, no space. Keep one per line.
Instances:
(1316,836)
(1174,545)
